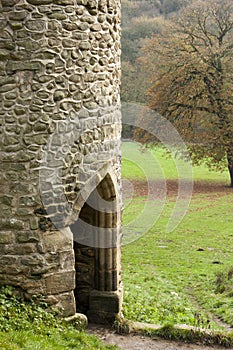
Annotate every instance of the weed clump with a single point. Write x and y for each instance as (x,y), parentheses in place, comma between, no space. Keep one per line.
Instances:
(224,282)
(18,314)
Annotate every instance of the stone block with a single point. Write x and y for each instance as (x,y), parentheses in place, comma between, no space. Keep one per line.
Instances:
(58,16)
(27,201)
(39,2)
(6,200)
(64,2)
(6,81)
(104,306)
(78,321)
(9,2)
(69,43)
(7,87)
(35,139)
(11,224)
(34,287)
(59,95)
(39,127)
(75,78)
(69,26)
(11,95)
(18,15)
(19,110)
(58,241)
(66,304)
(84,45)
(28,237)
(21,249)
(106,301)
(66,260)
(10,265)
(33,223)
(21,66)
(34,260)
(82,26)
(7,237)
(20,211)
(60,282)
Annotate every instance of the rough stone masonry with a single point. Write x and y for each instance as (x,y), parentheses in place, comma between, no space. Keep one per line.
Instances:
(60,189)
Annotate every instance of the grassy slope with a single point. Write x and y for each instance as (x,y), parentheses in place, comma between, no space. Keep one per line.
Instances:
(170,277)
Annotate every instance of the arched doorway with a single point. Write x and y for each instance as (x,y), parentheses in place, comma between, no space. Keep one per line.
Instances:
(97,254)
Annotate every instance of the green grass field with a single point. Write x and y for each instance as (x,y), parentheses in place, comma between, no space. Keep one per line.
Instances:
(55,340)
(142,163)
(183,276)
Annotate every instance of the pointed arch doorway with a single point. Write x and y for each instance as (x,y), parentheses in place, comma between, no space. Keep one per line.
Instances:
(97,254)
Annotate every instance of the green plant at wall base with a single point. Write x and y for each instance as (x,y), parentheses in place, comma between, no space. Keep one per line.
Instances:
(18,315)
(28,326)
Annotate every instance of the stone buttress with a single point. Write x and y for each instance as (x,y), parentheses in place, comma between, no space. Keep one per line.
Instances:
(60,198)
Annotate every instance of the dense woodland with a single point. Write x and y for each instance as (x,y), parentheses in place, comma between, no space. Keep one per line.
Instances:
(141,19)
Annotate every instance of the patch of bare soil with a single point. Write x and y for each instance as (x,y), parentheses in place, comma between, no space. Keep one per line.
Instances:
(138,342)
(169,188)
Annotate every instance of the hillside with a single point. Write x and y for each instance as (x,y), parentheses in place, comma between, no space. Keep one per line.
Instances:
(140,20)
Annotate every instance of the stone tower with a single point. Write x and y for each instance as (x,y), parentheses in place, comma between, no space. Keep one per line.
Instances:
(60,198)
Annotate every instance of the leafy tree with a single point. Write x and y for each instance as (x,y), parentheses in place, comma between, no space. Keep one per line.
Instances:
(192,80)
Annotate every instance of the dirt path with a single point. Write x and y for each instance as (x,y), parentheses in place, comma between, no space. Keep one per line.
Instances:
(138,342)
(140,188)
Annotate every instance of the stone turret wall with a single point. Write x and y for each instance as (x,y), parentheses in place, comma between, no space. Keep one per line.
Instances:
(60,138)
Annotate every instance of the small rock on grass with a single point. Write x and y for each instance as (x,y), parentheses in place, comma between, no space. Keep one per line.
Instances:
(78,320)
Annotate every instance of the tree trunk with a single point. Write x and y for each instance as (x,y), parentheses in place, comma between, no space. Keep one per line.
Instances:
(230,165)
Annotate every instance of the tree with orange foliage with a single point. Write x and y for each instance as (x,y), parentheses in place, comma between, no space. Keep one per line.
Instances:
(191,65)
